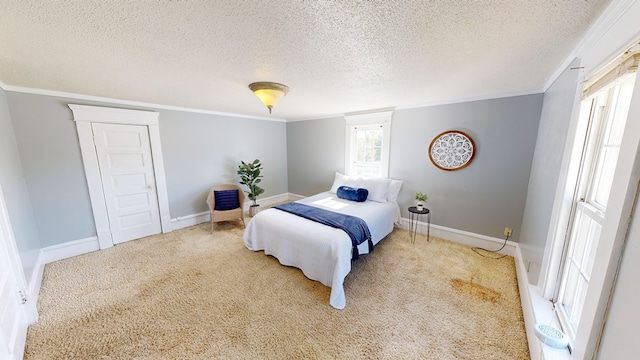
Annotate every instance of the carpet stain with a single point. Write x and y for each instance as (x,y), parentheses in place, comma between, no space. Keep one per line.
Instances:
(88,290)
(475,290)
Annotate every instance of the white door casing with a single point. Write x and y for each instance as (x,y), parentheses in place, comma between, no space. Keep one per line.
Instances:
(84,116)
(126,169)
(13,323)
(16,312)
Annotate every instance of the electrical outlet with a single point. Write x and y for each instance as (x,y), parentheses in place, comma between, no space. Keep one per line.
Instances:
(507,231)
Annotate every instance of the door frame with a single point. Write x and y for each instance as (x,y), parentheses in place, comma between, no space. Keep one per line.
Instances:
(84,116)
(9,254)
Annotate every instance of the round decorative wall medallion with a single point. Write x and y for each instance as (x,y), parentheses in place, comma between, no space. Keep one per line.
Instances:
(452,150)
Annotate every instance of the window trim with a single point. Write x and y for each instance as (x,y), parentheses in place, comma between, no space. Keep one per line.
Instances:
(371,119)
(615,227)
(567,186)
(619,211)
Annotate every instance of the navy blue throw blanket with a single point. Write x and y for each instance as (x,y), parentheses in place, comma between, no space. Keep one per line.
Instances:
(355,227)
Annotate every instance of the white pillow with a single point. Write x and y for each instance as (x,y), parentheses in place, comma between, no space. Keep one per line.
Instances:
(343,180)
(377,188)
(394,190)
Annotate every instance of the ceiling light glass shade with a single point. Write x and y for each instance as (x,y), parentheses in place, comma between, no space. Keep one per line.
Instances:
(269,93)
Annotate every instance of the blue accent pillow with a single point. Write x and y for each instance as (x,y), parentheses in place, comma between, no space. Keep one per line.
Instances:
(226,199)
(353,194)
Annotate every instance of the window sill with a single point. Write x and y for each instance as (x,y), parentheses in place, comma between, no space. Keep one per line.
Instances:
(543,313)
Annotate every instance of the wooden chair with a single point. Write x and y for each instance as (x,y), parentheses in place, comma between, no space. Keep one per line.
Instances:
(218,215)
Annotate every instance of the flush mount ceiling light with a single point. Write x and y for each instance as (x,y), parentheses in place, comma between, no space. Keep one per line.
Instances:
(269,92)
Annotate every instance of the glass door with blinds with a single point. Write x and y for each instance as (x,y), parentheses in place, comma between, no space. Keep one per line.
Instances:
(607,110)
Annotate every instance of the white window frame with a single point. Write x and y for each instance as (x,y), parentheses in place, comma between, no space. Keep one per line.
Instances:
(595,111)
(614,228)
(378,119)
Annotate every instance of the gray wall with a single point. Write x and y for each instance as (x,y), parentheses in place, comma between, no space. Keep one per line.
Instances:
(545,171)
(316,150)
(484,198)
(50,155)
(199,150)
(15,192)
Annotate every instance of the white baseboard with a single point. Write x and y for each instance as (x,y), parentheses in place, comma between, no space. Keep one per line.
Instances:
(535,347)
(35,282)
(70,249)
(295,197)
(53,253)
(182,222)
(464,237)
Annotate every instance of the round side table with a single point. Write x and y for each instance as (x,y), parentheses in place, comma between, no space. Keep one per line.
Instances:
(414,215)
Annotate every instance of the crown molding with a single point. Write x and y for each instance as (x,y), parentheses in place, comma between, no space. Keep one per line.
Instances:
(428,104)
(154,106)
(320,117)
(605,21)
(471,99)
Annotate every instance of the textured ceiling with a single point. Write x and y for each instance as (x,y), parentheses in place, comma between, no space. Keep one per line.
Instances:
(336,56)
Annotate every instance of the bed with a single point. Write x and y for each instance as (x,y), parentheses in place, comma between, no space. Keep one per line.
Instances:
(323,253)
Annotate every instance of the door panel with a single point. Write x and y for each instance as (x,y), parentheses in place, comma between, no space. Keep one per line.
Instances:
(126,169)
(8,325)
(14,324)
(13,319)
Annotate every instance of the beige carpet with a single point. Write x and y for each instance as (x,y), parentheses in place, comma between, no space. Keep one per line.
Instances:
(193,295)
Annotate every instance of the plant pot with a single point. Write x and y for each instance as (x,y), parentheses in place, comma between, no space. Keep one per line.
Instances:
(254,209)
(419,206)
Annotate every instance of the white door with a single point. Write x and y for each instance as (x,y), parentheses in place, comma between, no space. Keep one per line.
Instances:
(126,169)
(13,317)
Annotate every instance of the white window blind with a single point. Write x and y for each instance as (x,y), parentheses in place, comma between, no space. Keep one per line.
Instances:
(627,63)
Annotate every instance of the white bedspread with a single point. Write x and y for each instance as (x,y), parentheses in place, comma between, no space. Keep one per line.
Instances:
(322,253)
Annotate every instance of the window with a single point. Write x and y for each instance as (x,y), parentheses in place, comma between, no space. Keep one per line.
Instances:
(366,151)
(367,145)
(606,112)
(607,153)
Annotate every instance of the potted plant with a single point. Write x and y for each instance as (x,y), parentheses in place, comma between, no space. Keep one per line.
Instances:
(250,177)
(420,200)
